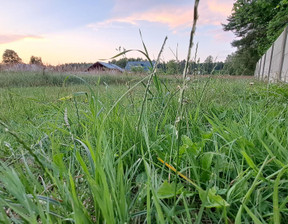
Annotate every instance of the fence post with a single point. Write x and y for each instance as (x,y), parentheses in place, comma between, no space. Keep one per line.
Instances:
(271,57)
(262,76)
(283,53)
(259,70)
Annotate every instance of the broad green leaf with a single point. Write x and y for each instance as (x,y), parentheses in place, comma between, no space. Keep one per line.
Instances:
(211,200)
(189,146)
(167,190)
(186,140)
(206,161)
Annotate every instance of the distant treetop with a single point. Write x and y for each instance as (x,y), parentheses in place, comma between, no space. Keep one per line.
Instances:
(35,61)
(11,57)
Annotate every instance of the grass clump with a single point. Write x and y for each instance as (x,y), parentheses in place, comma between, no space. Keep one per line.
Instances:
(11,79)
(93,171)
(207,151)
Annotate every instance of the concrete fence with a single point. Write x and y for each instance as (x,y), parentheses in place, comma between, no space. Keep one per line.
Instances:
(273,66)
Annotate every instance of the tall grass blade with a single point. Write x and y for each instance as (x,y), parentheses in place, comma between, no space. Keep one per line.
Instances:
(276,210)
(254,218)
(246,198)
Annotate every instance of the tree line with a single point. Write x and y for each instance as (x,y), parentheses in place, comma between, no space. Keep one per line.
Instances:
(172,67)
(10,57)
(209,66)
(256,24)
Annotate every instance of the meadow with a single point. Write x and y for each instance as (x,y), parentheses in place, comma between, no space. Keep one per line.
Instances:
(99,150)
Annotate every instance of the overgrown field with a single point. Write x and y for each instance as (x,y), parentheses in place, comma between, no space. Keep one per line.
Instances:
(87,153)
(40,78)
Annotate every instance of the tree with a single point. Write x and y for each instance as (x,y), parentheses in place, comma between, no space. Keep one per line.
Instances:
(208,64)
(121,62)
(35,61)
(279,21)
(239,64)
(233,66)
(11,57)
(249,22)
(172,67)
(256,24)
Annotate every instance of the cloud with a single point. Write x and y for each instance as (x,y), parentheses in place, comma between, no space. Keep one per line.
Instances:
(219,36)
(223,36)
(8,38)
(223,7)
(173,16)
(114,23)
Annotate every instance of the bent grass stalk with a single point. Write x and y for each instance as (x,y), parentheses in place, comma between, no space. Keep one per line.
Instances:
(180,111)
(149,83)
(154,69)
(180,174)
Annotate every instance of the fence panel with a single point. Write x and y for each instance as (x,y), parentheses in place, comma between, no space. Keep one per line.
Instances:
(284,72)
(273,65)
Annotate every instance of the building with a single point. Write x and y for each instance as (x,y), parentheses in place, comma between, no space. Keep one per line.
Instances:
(102,66)
(138,64)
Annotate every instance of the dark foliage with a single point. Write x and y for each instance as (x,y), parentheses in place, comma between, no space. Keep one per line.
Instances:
(11,57)
(256,24)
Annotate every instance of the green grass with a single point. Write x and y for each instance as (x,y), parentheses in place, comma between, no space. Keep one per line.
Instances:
(73,159)
(38,79)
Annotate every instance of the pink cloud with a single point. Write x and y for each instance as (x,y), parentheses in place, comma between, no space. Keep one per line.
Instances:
(174,16)
(223,36)
(112,23)
(220,36)
(223,7)
(8,38)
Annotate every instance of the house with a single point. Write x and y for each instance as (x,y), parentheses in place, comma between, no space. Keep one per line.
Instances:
(142,64)
(103,66)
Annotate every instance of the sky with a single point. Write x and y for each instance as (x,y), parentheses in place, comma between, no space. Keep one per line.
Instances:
(68,31)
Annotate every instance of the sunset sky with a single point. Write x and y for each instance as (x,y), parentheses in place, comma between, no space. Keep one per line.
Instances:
(62,31)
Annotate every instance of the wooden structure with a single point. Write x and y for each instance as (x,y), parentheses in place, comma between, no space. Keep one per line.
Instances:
(102,66)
